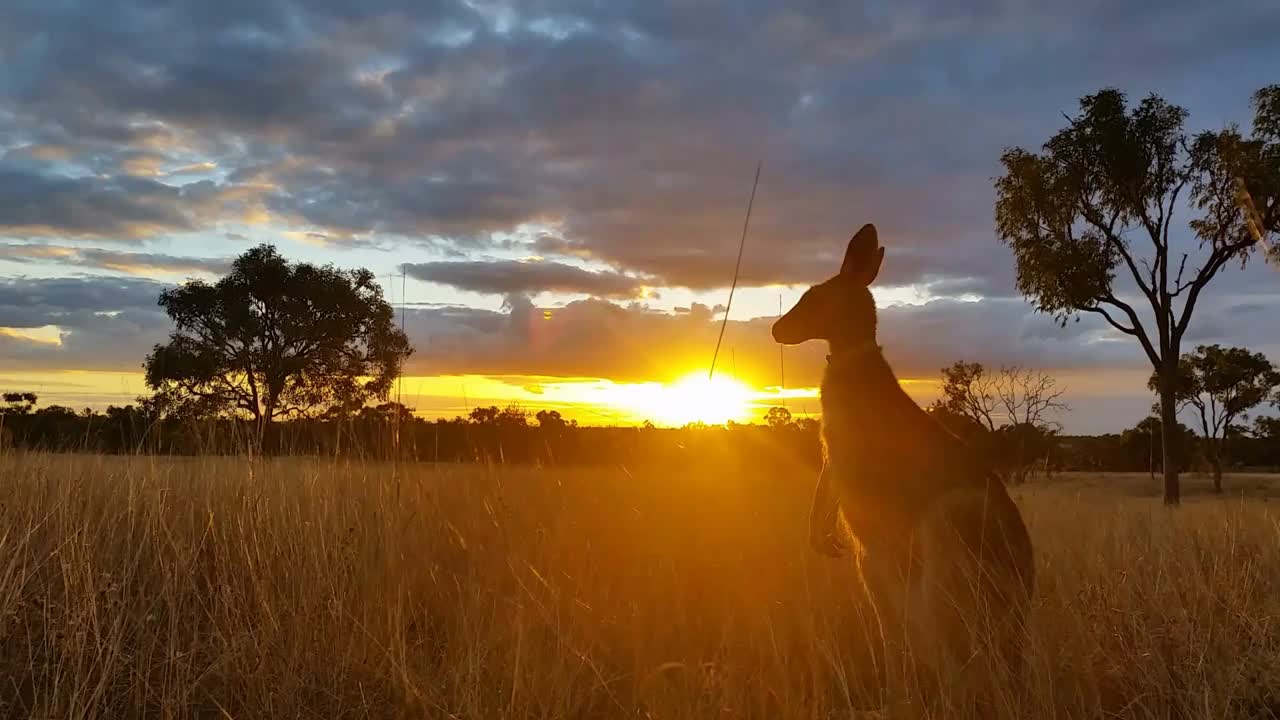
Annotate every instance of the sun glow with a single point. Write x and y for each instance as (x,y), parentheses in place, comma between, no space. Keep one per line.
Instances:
(693,398)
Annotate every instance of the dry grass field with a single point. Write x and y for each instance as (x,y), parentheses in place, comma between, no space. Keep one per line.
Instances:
(310,588)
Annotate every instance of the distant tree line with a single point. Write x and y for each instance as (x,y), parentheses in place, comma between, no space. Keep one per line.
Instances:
(390,430)
(514,435)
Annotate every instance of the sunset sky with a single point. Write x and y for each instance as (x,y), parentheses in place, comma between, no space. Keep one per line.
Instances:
(590,159)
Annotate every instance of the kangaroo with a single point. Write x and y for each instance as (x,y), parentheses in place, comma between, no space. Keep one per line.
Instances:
(943,553)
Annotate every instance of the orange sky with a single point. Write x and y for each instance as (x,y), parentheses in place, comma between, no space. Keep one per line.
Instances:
(589,401)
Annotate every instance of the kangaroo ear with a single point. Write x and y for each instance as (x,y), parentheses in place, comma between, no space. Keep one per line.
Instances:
(862,259)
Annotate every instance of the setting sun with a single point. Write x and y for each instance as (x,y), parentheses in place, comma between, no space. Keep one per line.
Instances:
(695,398)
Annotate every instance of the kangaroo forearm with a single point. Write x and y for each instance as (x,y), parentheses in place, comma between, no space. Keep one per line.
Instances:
(825,498)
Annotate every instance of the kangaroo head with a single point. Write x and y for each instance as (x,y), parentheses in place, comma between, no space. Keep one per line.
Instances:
(840,310)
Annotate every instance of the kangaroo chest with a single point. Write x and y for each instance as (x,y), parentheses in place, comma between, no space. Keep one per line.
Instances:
(880,479)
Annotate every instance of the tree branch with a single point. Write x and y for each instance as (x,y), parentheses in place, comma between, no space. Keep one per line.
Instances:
(1178,285)
(1168,216)
(1135,329)
(1217,259)
(1101,311)
(1204,419)
(1092,217)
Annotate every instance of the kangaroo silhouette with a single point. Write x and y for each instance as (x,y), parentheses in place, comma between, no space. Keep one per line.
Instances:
(942,550)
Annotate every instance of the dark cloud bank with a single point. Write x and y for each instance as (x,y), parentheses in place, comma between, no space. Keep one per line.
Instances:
(623,133)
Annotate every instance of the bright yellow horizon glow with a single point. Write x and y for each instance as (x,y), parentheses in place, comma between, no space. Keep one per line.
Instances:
(594,401)
(694,398)
(591,401)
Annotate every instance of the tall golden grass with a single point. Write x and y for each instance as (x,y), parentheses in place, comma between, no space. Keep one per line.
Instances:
(173,588)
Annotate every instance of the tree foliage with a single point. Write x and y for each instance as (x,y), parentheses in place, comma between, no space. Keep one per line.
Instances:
(551,420)
(777,417)
(1089,218)
(1267,428)
(274,340)
(18,403)
(512,416)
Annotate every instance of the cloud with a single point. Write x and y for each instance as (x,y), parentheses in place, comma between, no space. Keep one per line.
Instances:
(133,263)
(116,342)
(595,338)
(72,302)
(630,128)
(621,135)
(103,323)
(531,278)
(121,207)
(33,204)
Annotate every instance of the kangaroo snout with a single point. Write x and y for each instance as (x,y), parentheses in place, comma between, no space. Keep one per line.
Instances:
(779,334)
(788,332)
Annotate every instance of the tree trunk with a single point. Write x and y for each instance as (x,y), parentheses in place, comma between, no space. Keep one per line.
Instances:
(1169,434)
(1151,455)
(1215,459)
(267,441)
(266,436)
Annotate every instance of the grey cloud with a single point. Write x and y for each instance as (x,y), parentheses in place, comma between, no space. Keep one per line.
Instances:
(1249,308)
(511,277)
(90,341)
(461,208)
(35,204)
(73,302)
(106,323)
(134,263)
(631,127)
(595,338)
(120,207)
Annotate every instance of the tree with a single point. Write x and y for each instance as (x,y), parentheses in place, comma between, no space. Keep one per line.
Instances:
(1006,415)
(1264,426)
(778,417)
(1099,202)
(274,340)
(962,426)
(18,403)
(387,413)
(550,420)
(1222,385)
(512,416)
(968,392)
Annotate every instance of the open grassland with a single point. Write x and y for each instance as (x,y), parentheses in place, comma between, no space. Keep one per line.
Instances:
(309,588)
